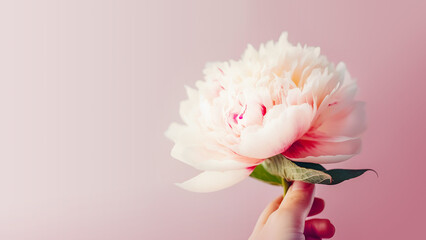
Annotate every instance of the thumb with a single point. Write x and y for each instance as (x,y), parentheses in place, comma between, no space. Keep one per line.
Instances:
(296,205)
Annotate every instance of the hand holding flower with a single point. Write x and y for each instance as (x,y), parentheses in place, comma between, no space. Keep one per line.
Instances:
(277,114)
(284,219)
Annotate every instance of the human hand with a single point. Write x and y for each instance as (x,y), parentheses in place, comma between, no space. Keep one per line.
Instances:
(284,219)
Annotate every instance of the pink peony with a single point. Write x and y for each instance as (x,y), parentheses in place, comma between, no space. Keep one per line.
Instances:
(280,99)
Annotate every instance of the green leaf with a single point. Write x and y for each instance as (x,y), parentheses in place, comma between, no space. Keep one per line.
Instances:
(261,174)
(315,166)
(340,175)
(337,175)
(283,167)
(277,167)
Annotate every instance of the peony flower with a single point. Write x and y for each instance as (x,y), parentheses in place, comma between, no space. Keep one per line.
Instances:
(280,99)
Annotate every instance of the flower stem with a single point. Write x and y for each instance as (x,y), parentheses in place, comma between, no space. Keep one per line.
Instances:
(285,185)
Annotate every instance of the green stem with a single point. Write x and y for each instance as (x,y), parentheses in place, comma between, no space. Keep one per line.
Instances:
(286,185)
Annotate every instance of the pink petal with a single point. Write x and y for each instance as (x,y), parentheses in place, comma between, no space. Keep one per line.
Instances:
(323,151)
(210,181)
(282,126)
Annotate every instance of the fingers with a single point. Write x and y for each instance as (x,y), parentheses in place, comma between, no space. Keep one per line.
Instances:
(267,212)
(296,205)
(319,228)
(317,207)
(312,238)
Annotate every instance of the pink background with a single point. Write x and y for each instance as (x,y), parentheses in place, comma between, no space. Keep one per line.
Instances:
(87,89)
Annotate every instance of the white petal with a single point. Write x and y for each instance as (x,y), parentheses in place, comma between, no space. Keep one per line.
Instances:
(197,149)
(189,109)
(349,121)
(281,127)
(210,181)
(324,159)
(174,131)
(199,157)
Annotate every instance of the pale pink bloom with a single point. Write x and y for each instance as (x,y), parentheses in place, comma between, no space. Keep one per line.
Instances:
(280,99)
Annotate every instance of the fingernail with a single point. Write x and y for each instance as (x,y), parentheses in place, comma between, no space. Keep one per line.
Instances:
(298,185)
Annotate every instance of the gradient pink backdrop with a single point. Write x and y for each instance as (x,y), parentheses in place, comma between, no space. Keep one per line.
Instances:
(87,89)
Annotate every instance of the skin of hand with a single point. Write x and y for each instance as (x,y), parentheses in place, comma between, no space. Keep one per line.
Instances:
(285,219)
